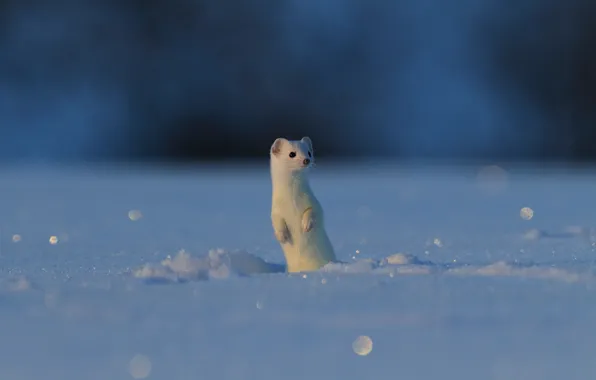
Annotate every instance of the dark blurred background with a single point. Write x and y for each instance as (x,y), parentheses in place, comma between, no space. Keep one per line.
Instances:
(179,80)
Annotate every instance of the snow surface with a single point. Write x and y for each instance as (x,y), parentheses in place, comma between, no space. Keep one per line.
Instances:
(440,271)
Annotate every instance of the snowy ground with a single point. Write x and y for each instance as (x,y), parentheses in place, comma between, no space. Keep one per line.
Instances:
(444,276)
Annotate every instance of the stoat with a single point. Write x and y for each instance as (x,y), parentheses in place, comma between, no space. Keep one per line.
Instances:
(296,214)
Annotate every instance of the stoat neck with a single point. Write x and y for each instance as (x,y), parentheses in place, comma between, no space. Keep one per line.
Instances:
(282,180)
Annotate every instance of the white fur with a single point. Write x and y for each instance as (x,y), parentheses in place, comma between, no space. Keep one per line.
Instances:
(296,214)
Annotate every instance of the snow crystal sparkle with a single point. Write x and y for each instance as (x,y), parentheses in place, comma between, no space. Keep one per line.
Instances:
(363,345)
(139,367)
(134,215)
(526,213)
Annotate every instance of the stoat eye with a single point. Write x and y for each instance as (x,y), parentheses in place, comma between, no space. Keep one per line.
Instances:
(309,154)
(292,154)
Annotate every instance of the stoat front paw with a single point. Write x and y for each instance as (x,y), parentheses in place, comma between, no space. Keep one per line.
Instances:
(282,235)
(308,224)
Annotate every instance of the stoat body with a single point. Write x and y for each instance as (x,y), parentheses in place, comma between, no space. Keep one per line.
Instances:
(296,214)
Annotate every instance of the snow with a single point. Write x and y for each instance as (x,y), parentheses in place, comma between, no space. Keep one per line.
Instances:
(175,274)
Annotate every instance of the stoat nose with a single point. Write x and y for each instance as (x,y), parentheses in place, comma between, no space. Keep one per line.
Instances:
(306,161)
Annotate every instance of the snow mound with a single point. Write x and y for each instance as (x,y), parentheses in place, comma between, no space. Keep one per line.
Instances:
(399,263)
(402,264)
(218,263)
(221,264)
(504,269)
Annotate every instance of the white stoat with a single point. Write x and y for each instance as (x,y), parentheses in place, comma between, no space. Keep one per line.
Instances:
(296,214)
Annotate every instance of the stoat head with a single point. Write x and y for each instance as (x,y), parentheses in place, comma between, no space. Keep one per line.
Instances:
(292,156)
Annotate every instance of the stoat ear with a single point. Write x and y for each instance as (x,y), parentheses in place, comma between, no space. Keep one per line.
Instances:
(308,142)
(277,145)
